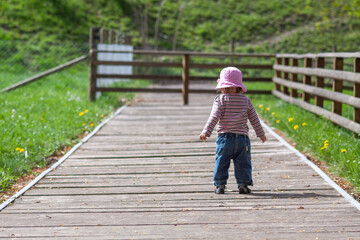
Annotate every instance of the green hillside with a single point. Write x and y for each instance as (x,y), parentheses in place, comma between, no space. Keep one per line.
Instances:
(198,25)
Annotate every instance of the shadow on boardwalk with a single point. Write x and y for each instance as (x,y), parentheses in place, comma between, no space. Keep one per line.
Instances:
(145,175)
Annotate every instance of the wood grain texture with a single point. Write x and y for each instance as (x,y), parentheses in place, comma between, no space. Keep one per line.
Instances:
(145,175)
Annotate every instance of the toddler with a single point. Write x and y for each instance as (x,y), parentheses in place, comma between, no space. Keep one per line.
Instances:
(230,112)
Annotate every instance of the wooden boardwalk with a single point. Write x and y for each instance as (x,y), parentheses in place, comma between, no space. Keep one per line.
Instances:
(145,175)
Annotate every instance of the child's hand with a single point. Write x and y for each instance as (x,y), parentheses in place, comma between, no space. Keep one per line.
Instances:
(203,137)
(263,138)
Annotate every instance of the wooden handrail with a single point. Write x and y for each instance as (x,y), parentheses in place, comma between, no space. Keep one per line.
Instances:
(46,73)
(179,65)
(330,95)
(319,72)
(181,53)
(329,55)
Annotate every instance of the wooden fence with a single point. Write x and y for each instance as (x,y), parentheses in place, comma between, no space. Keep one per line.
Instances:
(314,74)
(185,64)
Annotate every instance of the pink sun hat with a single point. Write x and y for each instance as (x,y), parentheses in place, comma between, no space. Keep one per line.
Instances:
(230,77)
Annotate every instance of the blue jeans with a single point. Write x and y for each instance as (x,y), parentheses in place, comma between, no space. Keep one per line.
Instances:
(237,147)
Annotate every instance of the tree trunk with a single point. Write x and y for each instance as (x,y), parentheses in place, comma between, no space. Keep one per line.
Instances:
(156,37)
(177,26)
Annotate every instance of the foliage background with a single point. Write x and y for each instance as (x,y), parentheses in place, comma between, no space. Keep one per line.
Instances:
(197,25)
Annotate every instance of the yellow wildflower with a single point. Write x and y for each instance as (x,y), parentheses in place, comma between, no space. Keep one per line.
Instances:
(81,114)
(322,148)
(291,119)
(267,109)
(92,124)
(86,111)
(21,150)
(17,149)
(260,106)
(101,115)
(303,124)
(296,127)
(272,113)
(277,121)
(326,141)
(343,150)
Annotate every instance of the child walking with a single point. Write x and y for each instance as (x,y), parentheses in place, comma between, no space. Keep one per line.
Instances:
(230,112)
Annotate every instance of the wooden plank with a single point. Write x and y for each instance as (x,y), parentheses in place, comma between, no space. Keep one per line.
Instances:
(319,82)
(178,65)
(294,78)
(322,55)
(307,79)
(185,78)
(278,61)
(337,85)
(356,89)
(46,73)
(115,186)
(92,78)
(285,75)
(318,72)
(198,54)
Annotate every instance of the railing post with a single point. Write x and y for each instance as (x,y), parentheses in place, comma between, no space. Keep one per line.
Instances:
(294,63)
(94,39)
(104,35)
(185,79)
(278,61)
(357,90)
(319,81)
(286,76)
(307,79)
(338,64)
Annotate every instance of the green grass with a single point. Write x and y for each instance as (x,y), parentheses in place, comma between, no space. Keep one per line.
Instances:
(336,146)
(38,119)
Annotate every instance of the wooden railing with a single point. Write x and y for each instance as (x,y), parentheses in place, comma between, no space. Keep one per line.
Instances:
(185,64)
(314,74)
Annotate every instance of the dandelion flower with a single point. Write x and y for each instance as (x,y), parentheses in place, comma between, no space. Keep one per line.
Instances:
(272,113)
(92,124)
(101,115)
(260,106)
(296,127)
(291,119)
(303,124)
(277,121)
(322,148)
(17,149)
(81,114)
(267,109)
(21,150)
(343,150)
(86,111)
(326,141)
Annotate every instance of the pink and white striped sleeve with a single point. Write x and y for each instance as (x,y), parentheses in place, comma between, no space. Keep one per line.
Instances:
(215,115)
(254,120)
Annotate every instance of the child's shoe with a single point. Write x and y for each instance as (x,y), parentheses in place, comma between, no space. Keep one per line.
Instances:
(220,189)
(243,189)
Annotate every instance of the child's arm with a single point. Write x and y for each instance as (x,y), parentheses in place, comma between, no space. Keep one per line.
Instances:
(214,118)
(255,122)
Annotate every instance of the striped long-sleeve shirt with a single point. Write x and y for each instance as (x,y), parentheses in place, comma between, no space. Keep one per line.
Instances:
(230,113)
